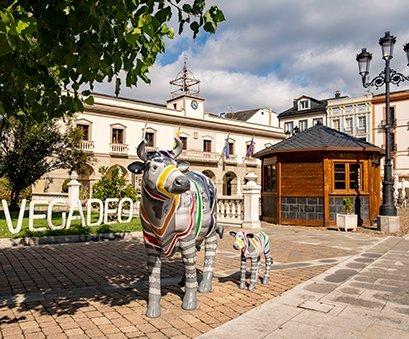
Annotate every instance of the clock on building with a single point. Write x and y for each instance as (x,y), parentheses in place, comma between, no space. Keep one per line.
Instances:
(194,104)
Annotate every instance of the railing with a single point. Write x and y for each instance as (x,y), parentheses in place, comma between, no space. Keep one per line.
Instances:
(250,161)
(232,159)
(87,145)
(200,156)
(121,149)
(230,210)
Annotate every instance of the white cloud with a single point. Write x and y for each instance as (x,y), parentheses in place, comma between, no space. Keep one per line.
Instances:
(269,52)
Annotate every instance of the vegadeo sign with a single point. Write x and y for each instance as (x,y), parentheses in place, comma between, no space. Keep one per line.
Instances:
(75,212)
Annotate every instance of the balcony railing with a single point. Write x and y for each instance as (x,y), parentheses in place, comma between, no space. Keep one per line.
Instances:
(250,161)
(119,149)
(87,145)
(200,156)
(232,159)
(230,210)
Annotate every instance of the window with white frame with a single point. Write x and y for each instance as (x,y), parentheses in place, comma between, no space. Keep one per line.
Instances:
(348,124)
(336,110)
(317,121)
(303,104)
(303,125)
(336,124)
(288,126)
(361,108)
(348,109)
(362,123)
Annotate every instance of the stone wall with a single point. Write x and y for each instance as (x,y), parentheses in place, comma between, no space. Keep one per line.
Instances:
(361,206)
(302,208)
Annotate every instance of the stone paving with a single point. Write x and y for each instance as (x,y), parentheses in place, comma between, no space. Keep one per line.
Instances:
(365,296)
(100,289)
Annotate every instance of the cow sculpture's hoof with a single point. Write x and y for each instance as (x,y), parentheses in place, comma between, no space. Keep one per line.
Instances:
(251,287)
(265,281)
(153,310)
(242,286)
(189,300)
(205,285)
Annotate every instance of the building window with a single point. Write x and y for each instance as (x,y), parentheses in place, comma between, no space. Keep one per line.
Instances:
(336,110)
(207,145)
(117,136)
(231,148)
(303,104)
(269,178)
(150,139)
(184,142)
(362,123)
(317,120)
(348,109)
(347,176)
(85,135)
(288,127)
(348,124)
(361,108)
(303,125)
(336,124)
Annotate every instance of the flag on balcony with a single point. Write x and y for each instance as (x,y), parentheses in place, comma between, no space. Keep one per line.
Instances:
(226,149)
(177,135)
(250,148)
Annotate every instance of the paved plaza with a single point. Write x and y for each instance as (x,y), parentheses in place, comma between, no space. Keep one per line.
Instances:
(100,289)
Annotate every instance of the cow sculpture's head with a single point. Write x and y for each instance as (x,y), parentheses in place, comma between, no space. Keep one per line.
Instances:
(161,172)
(241,239)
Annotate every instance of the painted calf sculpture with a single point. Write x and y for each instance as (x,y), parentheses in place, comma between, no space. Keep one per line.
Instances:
(252,246)
(178,213)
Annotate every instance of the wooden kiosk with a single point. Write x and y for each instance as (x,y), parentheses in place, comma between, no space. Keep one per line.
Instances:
(306,177)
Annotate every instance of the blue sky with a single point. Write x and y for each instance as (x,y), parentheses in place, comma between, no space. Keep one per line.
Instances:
(268,52)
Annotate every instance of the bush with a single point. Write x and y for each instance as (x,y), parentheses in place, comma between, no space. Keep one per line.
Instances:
(113,185)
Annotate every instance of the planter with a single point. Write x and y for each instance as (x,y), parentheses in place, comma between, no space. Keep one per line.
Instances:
(347,221)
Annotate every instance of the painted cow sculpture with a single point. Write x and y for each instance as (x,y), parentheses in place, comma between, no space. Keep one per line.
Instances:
(252,246)
(178,213)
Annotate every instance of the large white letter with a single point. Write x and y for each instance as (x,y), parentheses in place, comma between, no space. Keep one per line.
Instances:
(108,210)
(8,217)
(32,217)
(70,218)
(89,212)
(120,210)
(50,215)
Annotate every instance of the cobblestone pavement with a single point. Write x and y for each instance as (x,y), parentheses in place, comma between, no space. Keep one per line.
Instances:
(100,289)
(365,296)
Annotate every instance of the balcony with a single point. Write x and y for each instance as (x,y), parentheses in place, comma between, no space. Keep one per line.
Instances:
(87,145)
(119,149)
(250,161)
(199,156)
(231,160)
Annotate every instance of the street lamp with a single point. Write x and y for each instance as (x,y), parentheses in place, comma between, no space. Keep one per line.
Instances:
(386,77)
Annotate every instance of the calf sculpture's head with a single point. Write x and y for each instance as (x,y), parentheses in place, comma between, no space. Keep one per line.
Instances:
(160,170)
(241,239)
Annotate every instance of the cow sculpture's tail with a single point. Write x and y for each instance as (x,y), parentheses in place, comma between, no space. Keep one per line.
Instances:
(220,231)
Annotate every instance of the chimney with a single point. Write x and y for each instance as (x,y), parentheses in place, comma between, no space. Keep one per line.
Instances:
(337,94)
(295,103)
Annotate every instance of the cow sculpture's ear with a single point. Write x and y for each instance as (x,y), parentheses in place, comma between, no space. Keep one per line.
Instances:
(183,166)
(250,235)
(136,167)
(232,233)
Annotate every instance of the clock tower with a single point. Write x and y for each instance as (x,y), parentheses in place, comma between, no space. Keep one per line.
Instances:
(185,94)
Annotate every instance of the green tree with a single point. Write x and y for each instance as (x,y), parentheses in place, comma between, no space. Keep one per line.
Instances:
(28,151)
(53,51)
(113,185)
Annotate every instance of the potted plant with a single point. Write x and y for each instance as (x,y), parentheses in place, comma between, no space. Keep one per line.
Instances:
(348,220)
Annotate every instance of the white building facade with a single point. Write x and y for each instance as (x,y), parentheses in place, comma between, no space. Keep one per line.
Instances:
(352,116)
(113,128)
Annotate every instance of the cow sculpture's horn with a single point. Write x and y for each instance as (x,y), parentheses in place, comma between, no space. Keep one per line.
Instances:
(141,151)
(178,148)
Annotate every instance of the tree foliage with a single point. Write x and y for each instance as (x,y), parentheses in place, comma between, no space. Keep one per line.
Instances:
(29,151)
(50,45)
(113,185)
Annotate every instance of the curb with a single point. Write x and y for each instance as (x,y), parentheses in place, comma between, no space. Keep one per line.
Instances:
(64,239)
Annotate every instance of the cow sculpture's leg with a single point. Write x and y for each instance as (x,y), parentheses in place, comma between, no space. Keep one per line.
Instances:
(243,268)
(154,264)
(188,247)
(254,268)
(210,253)
(267,269)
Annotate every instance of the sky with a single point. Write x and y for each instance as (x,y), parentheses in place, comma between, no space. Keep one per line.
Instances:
(269,52)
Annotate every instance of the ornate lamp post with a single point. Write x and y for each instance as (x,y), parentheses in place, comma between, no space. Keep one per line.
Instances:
(386,77)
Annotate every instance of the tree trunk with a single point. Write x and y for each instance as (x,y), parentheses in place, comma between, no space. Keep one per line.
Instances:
(14,198)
